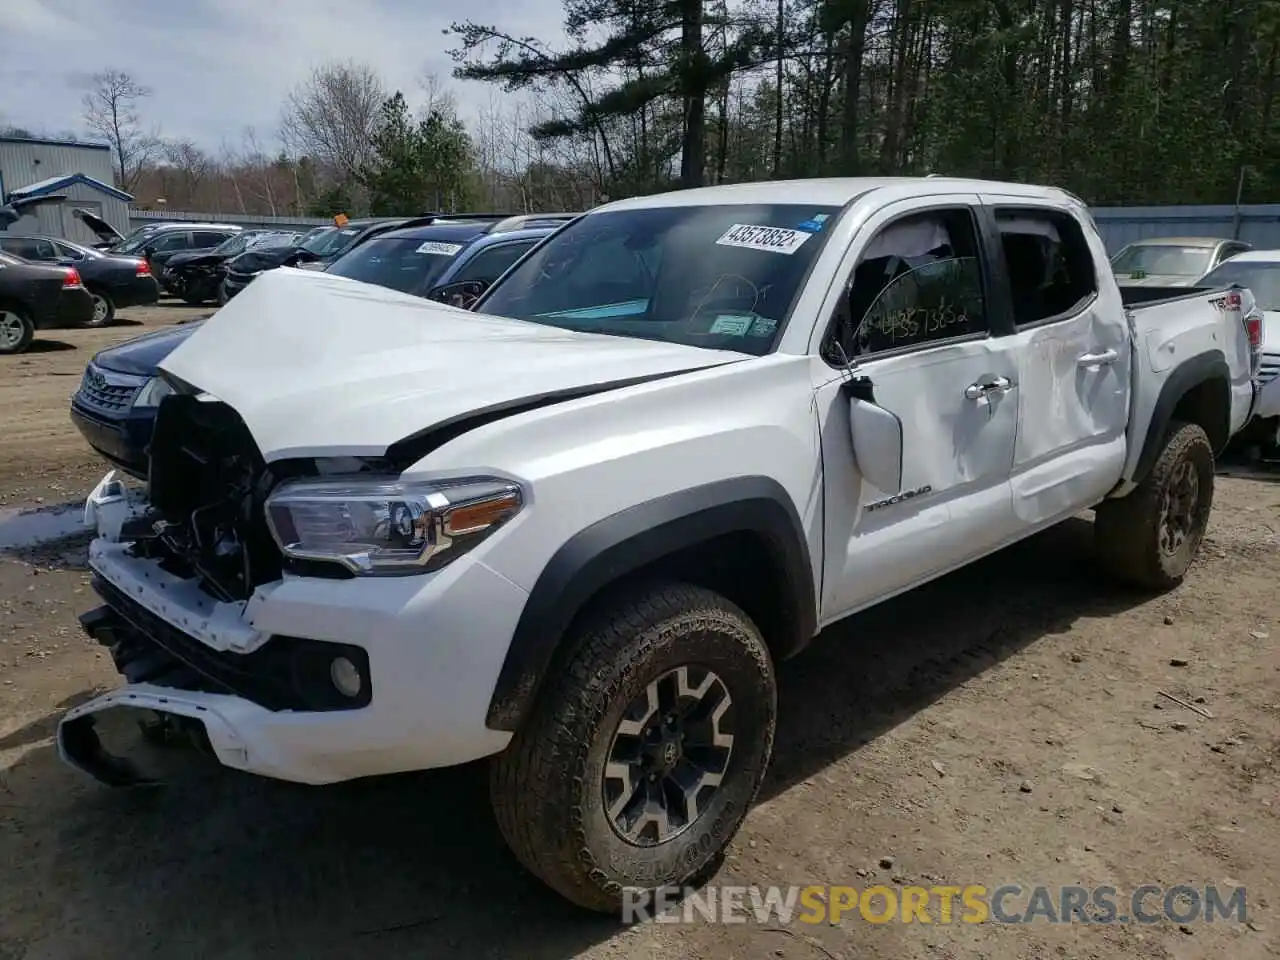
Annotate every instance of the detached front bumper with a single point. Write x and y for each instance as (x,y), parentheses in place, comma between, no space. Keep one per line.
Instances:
(255,675)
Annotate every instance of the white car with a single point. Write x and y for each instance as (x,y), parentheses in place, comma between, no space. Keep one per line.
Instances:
(576,529)
(1259,270)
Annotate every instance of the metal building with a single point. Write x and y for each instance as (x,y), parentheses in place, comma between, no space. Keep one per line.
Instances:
(82,172)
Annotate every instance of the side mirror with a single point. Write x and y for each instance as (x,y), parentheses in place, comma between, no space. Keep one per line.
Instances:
(462,293)
(877,440)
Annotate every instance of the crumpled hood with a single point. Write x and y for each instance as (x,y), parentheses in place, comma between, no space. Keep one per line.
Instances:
(253,261)
(319,365)
(189,258)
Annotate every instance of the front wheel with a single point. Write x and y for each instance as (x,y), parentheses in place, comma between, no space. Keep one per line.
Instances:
(104,310)
(646,749)
(16,330)
(1150,537)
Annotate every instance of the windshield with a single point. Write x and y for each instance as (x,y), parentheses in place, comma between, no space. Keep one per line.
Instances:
(722,277)
(1262,279)
(237,243)
(402,263)
(330,242)
(133,243)
(1161,260)
(274,241)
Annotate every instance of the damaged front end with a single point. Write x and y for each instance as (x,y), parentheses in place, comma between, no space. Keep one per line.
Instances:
(207,487)
(181,570)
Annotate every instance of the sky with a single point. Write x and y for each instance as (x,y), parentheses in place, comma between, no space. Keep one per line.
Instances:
(217,66)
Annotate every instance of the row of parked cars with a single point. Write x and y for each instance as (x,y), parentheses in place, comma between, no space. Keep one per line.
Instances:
(49,282)
(445,258)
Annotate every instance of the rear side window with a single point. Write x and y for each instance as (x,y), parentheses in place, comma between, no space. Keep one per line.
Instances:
(1049,263)
(208,238)
(69,253)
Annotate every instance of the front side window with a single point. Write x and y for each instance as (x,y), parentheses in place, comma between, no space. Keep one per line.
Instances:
(488,265)
(1161,260)
(407,264)
(918,282)
(723,277)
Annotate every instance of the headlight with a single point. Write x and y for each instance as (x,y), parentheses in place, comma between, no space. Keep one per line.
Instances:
(373,527)
(152,392)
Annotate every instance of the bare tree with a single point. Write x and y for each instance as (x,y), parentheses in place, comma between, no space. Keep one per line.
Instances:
(111,111)
(439,98)
(231,164)
(330,117)
(259,166)
(192,166)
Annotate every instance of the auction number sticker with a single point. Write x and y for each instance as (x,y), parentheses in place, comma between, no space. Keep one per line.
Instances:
(442,249)
(772,239)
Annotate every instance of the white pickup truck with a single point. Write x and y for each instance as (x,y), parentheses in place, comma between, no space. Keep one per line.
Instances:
(576,529)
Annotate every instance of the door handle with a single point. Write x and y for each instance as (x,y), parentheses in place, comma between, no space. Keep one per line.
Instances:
(1103,359)
(976,391)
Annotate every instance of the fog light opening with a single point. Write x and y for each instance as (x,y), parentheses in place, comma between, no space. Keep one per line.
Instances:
(346,677)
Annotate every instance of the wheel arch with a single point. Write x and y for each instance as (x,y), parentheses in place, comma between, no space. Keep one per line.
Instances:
(713,534)
(1198,391)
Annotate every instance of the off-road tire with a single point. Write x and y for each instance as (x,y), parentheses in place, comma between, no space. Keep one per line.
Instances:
(109,312)
(547,786)
(1128,529)
(25,337)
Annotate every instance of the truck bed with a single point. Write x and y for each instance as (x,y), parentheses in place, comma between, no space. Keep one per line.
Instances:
(1199,330)
(1145,296)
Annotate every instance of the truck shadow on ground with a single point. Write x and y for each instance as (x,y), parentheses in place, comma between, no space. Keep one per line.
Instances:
(226,865)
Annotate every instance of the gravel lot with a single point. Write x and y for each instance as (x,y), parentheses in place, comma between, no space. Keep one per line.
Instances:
(1000,725)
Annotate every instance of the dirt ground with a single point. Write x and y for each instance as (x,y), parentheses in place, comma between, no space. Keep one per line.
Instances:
(1002,725)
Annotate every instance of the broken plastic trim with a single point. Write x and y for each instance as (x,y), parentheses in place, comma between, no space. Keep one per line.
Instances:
(79,744)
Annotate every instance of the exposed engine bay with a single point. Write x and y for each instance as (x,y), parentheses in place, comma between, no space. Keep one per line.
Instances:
(207,487)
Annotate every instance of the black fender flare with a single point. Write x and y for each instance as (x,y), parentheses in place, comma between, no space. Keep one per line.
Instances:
(1189,374)
(624,542)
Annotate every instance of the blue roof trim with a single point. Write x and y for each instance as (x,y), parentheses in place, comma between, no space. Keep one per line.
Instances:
(54,186)
(57,143)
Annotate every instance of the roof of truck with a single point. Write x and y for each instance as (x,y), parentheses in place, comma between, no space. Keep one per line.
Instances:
(826,192)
